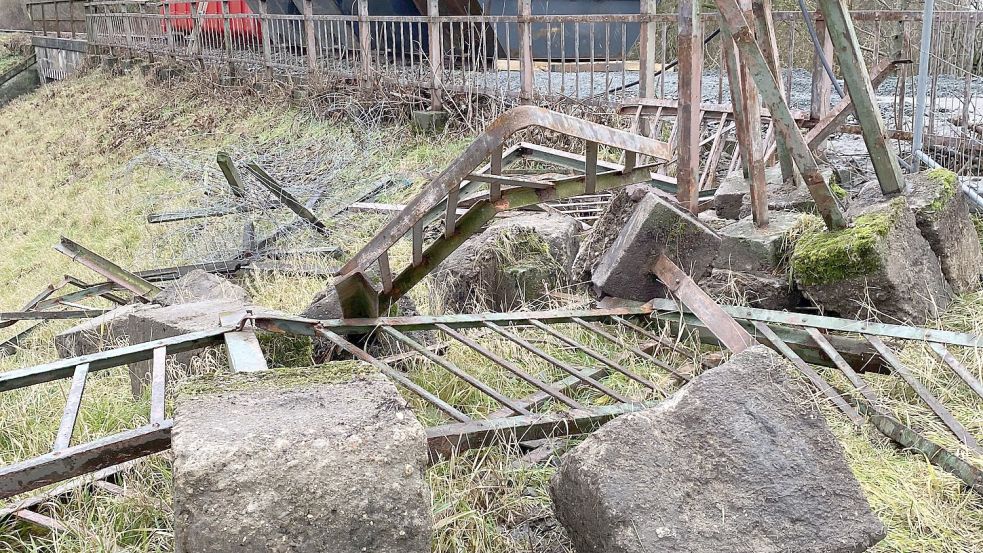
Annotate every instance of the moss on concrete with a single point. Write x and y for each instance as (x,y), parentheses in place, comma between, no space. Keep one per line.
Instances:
(838,190)
(338,372)
(946,180)
(823,257)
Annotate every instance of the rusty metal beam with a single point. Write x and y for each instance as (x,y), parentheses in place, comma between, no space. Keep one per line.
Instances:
(107,268)
(493,137)
(690,48)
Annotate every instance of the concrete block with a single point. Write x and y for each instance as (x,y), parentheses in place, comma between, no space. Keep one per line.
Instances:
(655,227)
(746,247)
(429,121)
(323,459)
(605,229)
(943,217)
(732,200)
(514,263)
(199,285)
(106,331)
(738,460)
(880,267)
(761,290)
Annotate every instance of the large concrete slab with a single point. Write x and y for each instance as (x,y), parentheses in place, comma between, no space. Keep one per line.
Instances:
(655,227)
(106,331)
(325,459)
(739,460)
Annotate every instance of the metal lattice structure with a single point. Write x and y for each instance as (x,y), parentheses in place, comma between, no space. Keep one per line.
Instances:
(810,342)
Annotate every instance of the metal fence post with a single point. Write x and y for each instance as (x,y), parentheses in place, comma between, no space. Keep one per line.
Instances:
(365,43)
(436,54)
(688,113)
(918,127)
(227,30)
(264,29)
(525,59)
(646,50)
(309,33)
(822,87)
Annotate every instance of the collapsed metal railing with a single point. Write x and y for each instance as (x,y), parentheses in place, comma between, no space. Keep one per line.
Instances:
(645,335)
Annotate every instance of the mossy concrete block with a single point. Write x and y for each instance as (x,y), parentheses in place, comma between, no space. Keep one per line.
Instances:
(655,227)
(943,217)
(880,267)
(732,199)
(746,247)
(739,460)
(327,458)
(761,290)
(514,263)
(430,121)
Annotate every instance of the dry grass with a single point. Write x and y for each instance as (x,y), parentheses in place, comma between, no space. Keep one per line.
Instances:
(71,154)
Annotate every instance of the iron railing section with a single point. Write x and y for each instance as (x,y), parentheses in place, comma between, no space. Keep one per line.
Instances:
(576,345)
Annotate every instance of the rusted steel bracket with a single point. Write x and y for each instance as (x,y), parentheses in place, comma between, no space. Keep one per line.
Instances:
(717,320)
(231,172)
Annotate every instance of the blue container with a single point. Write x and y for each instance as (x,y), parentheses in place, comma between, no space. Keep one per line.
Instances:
(576,43)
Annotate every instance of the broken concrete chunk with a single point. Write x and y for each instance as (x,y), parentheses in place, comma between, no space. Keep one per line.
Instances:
(942,215)
(761,290)
(600,237)
(746,247)
(656,227)
(199,285)
(881,266)
(106,331)
(738,460)
(327,458)
(514,263)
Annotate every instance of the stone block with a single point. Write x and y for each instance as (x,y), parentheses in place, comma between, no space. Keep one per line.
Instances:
(106,331)
(732,200)
(739,460)
(174,320)
(943,217)
(199,285)
(513,263)
(605,229)
(327,458)
(761,290)
(880,267)
(746,247)
(433,122)
(655,227)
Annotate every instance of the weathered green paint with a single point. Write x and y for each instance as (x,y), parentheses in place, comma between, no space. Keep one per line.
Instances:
(357,296)
(484,210)
(736,27)
(285,197)
(231,173)
(107,268)
(839,25)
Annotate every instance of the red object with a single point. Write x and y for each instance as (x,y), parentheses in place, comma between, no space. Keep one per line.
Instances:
(238,25)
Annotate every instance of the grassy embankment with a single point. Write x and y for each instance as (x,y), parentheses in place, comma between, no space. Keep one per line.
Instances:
(75,162)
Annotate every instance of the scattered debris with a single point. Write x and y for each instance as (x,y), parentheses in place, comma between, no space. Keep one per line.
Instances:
(739,456)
